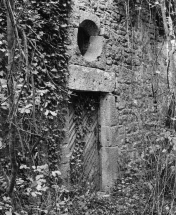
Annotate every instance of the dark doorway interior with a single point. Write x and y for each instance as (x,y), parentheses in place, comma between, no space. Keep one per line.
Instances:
(84,138)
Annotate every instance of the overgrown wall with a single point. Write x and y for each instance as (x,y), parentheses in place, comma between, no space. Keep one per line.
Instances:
(133,56)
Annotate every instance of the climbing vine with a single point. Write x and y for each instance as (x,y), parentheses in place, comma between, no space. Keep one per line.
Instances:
(38,75)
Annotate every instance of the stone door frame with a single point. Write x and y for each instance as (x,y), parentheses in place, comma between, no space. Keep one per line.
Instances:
(92,80)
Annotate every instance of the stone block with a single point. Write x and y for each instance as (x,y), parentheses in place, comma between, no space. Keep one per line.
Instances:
(110,136)
(90,79)
(121,105)
(110,167)
(108,111)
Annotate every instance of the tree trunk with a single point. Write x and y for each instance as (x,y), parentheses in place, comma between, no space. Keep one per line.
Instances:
(11,50)
(171,47)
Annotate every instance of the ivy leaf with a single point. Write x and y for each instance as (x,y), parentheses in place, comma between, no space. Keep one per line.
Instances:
(33,194)
(34,184)
(35,72)
(0,142)
(54,70)
(39,187)
(3,83)
(23,166)
(8,213)
(2,50)
(46,112)
(64,25)
(39,176)
(26,109)
(53,113)
(55,173)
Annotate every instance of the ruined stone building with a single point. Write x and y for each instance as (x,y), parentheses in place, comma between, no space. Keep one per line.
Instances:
(117,63)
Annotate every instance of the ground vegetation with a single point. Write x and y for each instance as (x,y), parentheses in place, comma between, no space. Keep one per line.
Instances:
(33,101)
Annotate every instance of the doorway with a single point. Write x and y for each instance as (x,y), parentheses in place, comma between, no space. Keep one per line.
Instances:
(84,142)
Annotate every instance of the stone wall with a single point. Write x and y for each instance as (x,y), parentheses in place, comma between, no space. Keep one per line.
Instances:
(126,68)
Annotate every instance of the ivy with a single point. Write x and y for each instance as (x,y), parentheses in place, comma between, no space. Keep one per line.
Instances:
(40,93)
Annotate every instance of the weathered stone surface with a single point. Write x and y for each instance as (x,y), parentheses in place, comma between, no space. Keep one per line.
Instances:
(121,105)
(109,166)
(89,16)
(95,48)
(109,136)
(108,111)
(125,53)
(90,79)
(95,56)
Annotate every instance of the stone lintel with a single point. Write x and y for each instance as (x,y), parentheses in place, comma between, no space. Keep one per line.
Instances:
(90,79)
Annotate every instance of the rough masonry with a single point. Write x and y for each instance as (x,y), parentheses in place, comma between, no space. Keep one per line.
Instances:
(115,56)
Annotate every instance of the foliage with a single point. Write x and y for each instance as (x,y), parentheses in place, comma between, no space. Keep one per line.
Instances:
(147,182)
(147,164)
(37,111)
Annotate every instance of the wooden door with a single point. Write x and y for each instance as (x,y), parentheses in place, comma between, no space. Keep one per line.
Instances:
(84,138)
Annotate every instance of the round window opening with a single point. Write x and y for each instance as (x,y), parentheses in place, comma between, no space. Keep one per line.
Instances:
(89,43)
